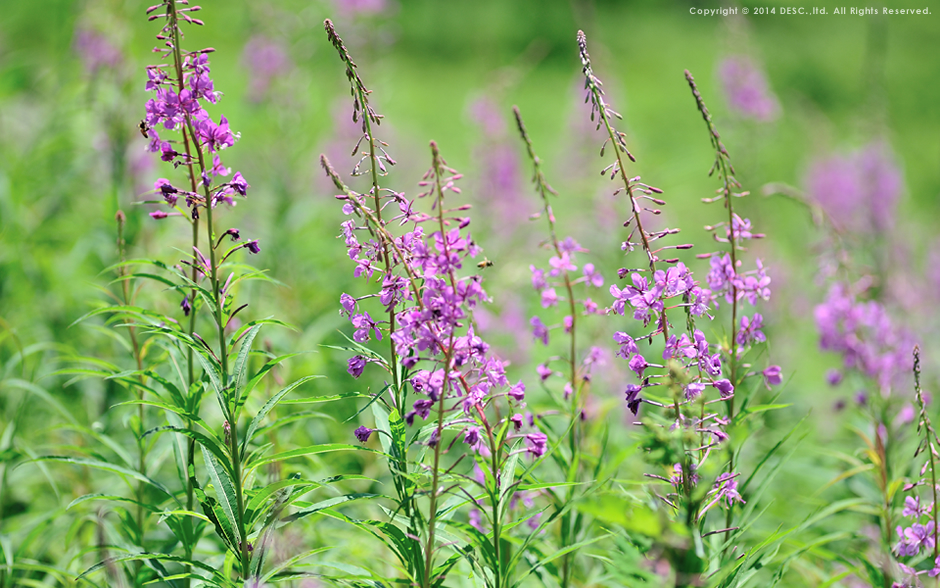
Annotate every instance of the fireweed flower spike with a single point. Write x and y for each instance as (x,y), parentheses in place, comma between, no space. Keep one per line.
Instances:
(563,275)
(921,532)
(182,90)
(725,279)
(452,372)
(382,256)
(684,433)
(728,283)
(434,349)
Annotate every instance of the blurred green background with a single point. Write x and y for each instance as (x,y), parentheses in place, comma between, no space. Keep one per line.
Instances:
(71,156)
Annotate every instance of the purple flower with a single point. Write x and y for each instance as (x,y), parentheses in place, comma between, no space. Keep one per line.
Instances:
(561,264)
(633,397)
(538,278)
(641,296)
(536,443)
(252,247)
(746,89)
(726,486)
(471,436)
(348,303)
(239,184)
(214,136)
(913,507)
(186,306)
(913,538)
(593,277)
(935,571)
(568,323)
(677,347)
(355,365)
(543,371)
(517,392)
(539,330)
(549,297)
(363,433)
(725,387)
(750,330)
(694,390)
(627,344)
(772,375)
(363,324)
(159,215)
(569,245)
(217,168)
(834,377)
(638,364)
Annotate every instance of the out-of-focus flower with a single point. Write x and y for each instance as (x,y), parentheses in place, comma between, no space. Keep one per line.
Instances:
(859,191)
(96,51)
(746,89)
(266,60)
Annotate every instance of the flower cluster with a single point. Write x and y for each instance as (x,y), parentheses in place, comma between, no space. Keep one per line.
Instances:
(178,105)
(865,335)
(859,191)
(431,304)
(746,89)
(918,535)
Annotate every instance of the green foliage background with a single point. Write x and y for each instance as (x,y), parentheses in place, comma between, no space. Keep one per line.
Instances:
(69,144)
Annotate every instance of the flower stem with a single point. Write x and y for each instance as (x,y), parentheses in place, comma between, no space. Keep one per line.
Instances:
(232,408)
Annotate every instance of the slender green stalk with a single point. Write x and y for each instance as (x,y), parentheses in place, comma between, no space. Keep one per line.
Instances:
(726,193)
(618,141)
(232,409)
(135,347)
(930,439)
(575,432)
(189,458)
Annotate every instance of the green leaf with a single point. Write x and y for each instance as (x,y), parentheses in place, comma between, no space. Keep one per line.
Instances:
(103,465)
(288,563)
(225,490)
(240,369)
(211,443)
(111,498)
(331,398)
(267,408)
(152,556)
(305,451)
(325,504)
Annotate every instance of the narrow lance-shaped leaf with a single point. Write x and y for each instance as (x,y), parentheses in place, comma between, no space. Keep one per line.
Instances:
(267,408)
(225,490)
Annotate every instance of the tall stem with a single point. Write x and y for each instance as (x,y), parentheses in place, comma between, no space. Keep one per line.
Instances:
(619,145)
(728,184)
(232,408)
(135,346)
(575,432)
(189,458)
